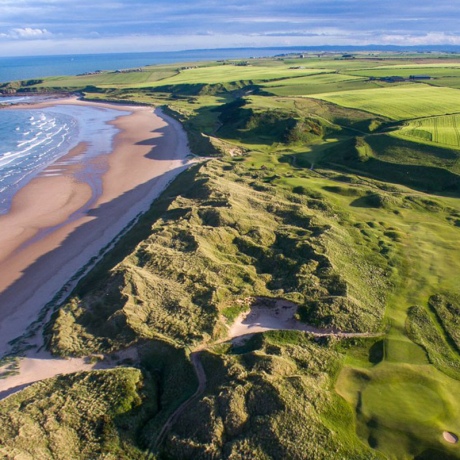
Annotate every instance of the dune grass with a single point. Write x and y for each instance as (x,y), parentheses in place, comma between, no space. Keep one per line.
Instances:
(270,402)
(85,415)
(213,245)
(402,240)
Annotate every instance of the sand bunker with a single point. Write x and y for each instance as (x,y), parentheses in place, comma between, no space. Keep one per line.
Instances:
(449,437)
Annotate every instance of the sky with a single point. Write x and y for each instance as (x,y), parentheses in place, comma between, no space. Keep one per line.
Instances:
(43,27)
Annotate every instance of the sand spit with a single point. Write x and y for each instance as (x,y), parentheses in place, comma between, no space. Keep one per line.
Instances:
(58,222)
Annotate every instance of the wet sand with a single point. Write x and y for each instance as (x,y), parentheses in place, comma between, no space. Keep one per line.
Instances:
(60,220)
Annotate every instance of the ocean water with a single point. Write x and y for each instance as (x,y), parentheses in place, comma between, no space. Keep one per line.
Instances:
(33,139)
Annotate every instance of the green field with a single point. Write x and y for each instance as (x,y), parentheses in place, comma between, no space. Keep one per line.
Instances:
(438,130)
(316,84)
(229,73)
(399,102)
(406,72)
(110,79)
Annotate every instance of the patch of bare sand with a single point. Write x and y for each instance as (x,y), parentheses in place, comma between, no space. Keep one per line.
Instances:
(42,365)
(278,314)
(449,437)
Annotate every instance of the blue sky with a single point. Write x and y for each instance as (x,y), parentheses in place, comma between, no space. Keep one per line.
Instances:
(83,26)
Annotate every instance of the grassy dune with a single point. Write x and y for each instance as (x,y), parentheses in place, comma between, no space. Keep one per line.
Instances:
(82,416)
(272,401)
(212,247)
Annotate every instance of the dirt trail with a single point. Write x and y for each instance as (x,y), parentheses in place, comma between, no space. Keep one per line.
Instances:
(201,376)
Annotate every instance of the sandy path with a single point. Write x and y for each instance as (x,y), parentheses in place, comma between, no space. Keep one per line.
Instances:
(56,224)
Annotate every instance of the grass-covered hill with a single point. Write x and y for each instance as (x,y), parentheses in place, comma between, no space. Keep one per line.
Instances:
(226,233)
(324,186)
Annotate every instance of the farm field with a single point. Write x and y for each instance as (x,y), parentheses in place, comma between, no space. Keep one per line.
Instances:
(205,73)
(406,72)
(320,188)
(110,79)
(444,130)
(316,84)
(399,102)
(229,73)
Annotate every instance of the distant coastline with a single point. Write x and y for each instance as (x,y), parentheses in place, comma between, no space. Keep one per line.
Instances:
(28,67)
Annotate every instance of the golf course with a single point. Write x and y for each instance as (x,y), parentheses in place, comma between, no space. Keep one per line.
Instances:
(294,293)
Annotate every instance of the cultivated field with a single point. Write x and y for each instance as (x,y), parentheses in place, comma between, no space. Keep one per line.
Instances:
(399,102)
(316,84)
(110,79)
(443,130)
(228,73)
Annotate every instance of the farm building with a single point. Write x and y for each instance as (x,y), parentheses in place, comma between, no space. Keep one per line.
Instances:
(392,79)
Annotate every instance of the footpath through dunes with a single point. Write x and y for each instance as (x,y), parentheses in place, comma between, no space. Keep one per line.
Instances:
(50,252)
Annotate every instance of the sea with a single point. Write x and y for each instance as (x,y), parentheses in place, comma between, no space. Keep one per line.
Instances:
(32,139)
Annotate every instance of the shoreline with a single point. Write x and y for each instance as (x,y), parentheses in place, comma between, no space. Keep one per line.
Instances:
(38,257)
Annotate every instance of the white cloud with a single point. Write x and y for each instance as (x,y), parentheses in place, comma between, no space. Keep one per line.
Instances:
(28,33)
(431,38)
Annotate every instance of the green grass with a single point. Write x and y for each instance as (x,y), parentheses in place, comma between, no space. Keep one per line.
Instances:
(450,82)
(230,73)
(406,71)
(366,244)
(315,84)
(110,79)
(209,248)
(399,102)
(444,130)
(394,159)
(402,410)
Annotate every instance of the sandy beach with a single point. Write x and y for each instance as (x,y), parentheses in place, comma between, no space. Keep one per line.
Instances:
(60,220)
